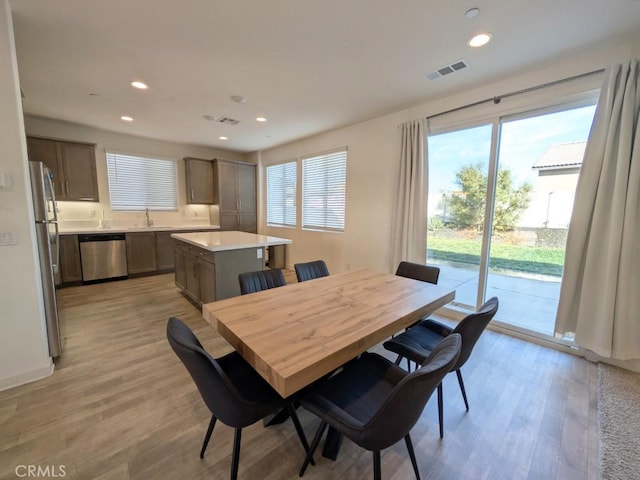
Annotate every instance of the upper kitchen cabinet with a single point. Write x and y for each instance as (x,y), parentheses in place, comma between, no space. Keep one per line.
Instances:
(199,181)
(235,194)
(73,165)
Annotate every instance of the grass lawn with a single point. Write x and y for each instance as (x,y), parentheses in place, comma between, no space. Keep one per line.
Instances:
(537,260)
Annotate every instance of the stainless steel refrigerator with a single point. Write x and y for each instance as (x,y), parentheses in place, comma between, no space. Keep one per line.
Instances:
(44,205)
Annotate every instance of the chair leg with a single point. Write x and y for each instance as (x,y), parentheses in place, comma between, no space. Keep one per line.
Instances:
(412,455)
(212,423)
(314,445)
(464,393)
(296,423)
(235,459)
(377,473)
(440,411)
(408,365)
(398,360)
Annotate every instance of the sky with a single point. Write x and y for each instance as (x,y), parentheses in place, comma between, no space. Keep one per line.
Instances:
(523,142)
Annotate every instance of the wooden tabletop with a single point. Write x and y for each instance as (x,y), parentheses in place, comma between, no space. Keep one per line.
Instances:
(295,334)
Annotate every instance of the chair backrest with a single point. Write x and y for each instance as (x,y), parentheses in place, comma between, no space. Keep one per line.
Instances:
(217,390)
(472,326)
(311,270)
(403,407)
(252,282)
(418,271)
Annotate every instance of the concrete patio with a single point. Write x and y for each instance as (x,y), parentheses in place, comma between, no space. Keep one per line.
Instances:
(529,303)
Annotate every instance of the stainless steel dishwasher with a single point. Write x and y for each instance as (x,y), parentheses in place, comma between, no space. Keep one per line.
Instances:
(103,255)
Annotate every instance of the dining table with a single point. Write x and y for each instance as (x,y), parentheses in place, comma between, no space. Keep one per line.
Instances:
(295,334)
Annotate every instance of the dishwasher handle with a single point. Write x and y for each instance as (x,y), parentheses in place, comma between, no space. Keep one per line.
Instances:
(100,237)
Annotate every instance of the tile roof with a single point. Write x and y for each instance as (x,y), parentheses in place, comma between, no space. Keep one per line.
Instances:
(562,155)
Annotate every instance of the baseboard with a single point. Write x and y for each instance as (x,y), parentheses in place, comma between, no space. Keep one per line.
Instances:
(26,377)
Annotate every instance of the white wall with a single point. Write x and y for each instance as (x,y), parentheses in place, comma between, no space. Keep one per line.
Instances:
(75,214)
(371,172)
(372,165)
(23,349)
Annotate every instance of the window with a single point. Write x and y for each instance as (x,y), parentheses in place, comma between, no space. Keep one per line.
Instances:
(500,203)
(137,183)
(323,191)
(281,194)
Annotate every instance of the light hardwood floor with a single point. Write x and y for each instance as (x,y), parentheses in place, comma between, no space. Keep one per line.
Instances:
(120,405)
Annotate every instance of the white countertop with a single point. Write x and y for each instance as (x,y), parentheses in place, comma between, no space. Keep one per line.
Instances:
(76,230)
(218,241)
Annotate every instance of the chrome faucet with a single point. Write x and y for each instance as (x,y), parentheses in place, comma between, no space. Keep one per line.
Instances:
(149,220)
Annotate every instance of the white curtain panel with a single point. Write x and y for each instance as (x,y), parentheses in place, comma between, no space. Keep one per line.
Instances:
(600,293)
(409,236)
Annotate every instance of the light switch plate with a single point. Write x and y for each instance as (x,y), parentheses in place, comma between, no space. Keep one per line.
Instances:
(7,238)
(259,252)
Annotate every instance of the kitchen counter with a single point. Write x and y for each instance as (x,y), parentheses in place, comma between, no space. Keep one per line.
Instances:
(77,231)
(221,241)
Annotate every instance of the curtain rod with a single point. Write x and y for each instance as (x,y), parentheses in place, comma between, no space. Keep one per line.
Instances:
(499,98)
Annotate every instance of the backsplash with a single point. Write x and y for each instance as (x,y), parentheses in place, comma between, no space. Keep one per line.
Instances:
(77,215)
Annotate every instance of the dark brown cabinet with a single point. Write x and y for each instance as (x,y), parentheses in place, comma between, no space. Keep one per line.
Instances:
(73,165)
(206,276)
(180,268)
(70,265)
(141,252)
(165,257)
(236,195)
(199,181)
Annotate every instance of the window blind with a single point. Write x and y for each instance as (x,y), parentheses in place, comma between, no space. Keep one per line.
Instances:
(323,191)
(138,183)
(281,194)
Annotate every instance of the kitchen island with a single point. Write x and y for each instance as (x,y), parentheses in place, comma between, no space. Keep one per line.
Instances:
(207,264)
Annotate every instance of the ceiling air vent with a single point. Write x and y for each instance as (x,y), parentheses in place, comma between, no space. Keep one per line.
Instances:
(448,69)
(227,120)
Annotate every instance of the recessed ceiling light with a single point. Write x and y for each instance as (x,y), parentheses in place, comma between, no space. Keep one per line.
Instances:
(480,39)
(223,138)
(126,118)
(261,119)
(139,85)
(472,13)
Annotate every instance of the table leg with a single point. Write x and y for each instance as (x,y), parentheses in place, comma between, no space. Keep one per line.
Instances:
(276,418)
(332,444)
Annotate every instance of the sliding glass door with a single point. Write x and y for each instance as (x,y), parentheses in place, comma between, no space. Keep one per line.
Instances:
(520,172)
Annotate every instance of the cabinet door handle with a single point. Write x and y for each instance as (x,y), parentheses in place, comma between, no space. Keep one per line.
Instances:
(192,194)
(66,187)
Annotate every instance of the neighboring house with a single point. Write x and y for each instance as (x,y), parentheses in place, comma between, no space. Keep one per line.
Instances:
(555,186)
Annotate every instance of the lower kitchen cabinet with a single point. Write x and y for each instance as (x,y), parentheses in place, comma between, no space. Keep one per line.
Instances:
(207,279)
(165,260)
(206,276)
(70,265)
(141,252)
(180,268)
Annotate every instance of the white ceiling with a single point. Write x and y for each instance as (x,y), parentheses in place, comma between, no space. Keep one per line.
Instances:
(308,66)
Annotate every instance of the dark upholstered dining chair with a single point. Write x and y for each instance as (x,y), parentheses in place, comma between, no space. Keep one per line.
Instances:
(376,403)
(417,343)
(310,270)
(418,271)
(251,282)
(232,390)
